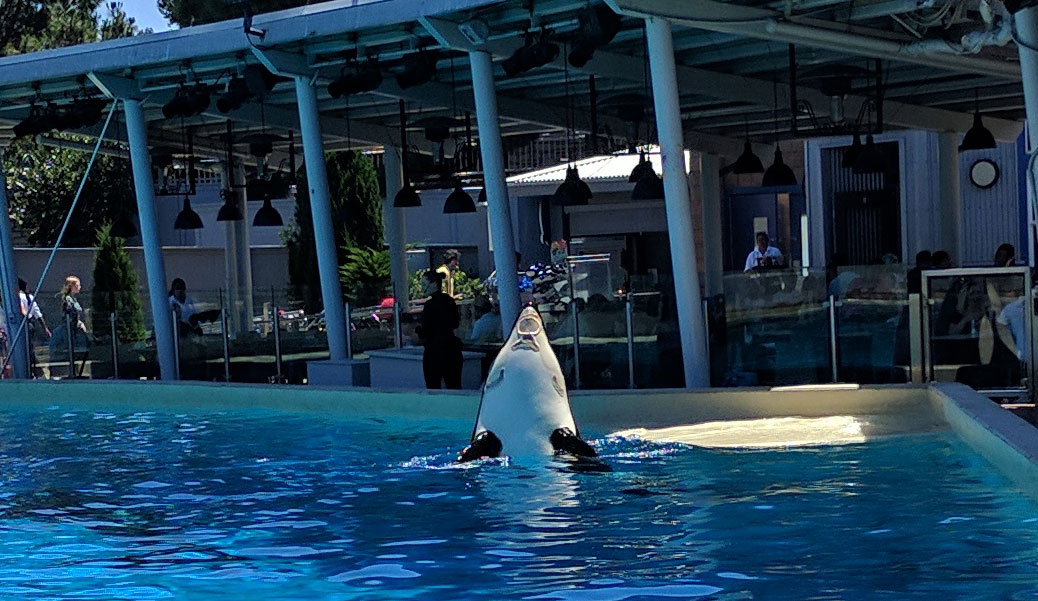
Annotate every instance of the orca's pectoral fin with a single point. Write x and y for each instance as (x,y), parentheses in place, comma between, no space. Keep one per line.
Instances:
(484,445)
(563,440)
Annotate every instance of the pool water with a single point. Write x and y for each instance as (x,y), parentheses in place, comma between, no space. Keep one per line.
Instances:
(257,505)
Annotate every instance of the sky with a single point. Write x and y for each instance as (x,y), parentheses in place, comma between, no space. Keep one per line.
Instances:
(147,14)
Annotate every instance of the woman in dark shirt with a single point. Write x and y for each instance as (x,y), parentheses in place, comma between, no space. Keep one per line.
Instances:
(441,361)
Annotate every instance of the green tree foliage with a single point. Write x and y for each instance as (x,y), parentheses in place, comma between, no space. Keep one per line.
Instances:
(20,19)
(356,220)
(365,275)
(43,180)
(115,290)
(465,285)
(197,12)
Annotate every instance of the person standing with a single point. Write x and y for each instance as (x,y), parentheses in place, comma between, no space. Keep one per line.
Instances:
(451,260)
(73,314)
(34,319)
(763,255)
(441,360)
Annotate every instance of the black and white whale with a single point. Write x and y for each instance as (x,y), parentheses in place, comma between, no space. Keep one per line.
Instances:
(524,410)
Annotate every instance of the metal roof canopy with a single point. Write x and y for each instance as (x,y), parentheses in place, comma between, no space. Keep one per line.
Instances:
(730,66)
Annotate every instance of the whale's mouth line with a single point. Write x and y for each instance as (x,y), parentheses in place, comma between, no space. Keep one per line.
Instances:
(526,341)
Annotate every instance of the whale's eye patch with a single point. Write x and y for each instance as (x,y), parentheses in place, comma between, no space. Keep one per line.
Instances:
(528,326)
(558,386)
(495,378)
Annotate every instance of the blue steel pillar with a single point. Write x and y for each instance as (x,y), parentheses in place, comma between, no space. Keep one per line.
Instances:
(9,281)
(497,192)
(396,232)
(320,206)
(137,134)
(1027,36)
(679,208)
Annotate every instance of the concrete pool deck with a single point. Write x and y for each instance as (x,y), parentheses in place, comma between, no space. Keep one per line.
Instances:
(1007,441)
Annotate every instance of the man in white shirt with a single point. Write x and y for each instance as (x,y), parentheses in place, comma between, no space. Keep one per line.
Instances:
(763,255)
(180,302)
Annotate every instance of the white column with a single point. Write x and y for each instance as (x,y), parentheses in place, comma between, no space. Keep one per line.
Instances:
(396,224)
(242,249)
(710,179)
(950,197)
(137,133)
(1027,34)
(497,191)
(9,281)
(679,210)
(320,207)
(230,260)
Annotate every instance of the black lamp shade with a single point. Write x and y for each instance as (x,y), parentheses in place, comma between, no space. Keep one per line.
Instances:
(779,174)
(851,154)
(267,216)
(870,159)
(407,198)
(123,226)
(482,199)
(229,211)
(747,161)
(572,191)
(649,187)
(459,202)
(640,170)
(978,137)
(187,219)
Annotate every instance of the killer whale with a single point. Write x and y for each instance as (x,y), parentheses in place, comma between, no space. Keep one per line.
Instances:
(524,410)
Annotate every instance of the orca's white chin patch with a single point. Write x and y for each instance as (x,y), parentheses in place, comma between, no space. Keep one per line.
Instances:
(524,410)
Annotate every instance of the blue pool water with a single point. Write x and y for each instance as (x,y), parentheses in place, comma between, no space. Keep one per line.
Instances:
(290,507)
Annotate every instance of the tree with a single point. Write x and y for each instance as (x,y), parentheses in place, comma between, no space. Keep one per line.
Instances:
(20,19)
(43,181)
(197,12)
(365,275)
(356,205)
(116,289)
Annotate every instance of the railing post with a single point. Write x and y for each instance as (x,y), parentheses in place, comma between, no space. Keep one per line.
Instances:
(277,343)
(71,345)
(115,347)
(28,353)
(915,337)
(349,328)
(576,340)
(629,310)
(226,340)
(176,343)
(834,351)
(398,327)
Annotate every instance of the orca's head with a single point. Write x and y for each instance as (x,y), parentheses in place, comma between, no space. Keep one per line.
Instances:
(527,358)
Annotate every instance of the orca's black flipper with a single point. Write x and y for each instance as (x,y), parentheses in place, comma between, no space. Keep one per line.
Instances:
(486,444)
(563,440)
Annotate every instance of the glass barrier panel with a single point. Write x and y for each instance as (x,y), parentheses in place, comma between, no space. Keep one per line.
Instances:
(872,324)
(602,337)
(978,327)
(776,328)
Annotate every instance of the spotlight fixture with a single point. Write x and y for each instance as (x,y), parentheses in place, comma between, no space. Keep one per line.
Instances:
(531,55)
(459,201)
(187,219)
(364,78)
(572,191)
(779,174)
(978,137)
(236,95)
(419,68)
(259,80)
(229,211)
(747,161)
(32,125)
(188,101)
(598,27)
(267,216)
(870,159)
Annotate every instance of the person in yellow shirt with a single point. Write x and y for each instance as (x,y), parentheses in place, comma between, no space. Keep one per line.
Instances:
(451,258)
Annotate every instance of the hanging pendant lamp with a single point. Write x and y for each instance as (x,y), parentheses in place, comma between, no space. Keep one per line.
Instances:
(643,168)
(649,187)
(187,219)
(779,174)
(229,211)
(978,137)
(747,161)
(459,201)
(870,160)
(851,154)
(268,216)
(572,191)
(407,197)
